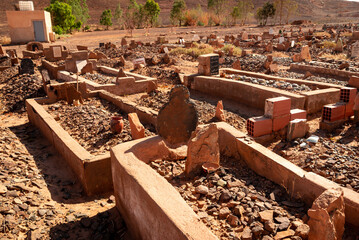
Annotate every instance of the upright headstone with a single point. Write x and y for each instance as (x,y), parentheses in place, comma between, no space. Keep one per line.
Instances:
(244,36)
(1,50)
(26,66)
(355,49)
(56,51)
(305,54)
(178,118)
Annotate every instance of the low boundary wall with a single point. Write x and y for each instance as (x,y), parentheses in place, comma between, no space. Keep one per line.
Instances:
(94,172)
(153,209)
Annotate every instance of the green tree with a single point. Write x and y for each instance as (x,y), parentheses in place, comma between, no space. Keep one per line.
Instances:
(62,17)
(217,6)
(263,13)
(131,16)
(151,11)
(106,18)
(79,10)
(246,8)
(235,14)
(118,14)
(178,11)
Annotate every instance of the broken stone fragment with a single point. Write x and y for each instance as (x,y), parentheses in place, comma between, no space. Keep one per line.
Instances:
(220,112)
(203,148)
(326,217)
(137,129)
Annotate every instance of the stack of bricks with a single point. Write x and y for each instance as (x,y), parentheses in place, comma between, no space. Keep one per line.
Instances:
(341,110)
(277,115)
(278,109)
(208,64)
(347,96)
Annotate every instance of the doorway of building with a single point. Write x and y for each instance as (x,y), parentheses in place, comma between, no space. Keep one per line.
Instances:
(39,31)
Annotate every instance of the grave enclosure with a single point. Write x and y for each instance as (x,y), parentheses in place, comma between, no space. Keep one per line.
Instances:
(150,205)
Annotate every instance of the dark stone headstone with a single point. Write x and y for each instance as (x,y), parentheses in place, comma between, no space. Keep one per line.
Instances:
(102,44)
(214,63)
(26,66)
(178,118)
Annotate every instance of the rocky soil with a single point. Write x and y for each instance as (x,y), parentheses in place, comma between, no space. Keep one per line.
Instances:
(18,88)
(42,199)
(335,157)
(206,110)
(89,124)
(235,202)
(100,78)
(314,78)
(291,87)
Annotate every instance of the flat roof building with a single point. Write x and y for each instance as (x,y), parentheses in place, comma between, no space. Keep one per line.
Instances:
(27,26)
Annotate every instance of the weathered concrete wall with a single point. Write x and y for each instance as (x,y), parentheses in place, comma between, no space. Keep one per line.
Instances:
(93,172)
(21,25)
(253,95)
(315,100)
(300,184)
(321,70)
(52,68)
(319,85)
(151,207)
(120,88)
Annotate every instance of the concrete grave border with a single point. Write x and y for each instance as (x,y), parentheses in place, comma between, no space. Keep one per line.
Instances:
(322,70)
(94,172)
(153,209)
(254,95)
(125,86)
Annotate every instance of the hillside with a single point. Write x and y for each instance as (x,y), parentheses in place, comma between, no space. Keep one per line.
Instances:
(317,10)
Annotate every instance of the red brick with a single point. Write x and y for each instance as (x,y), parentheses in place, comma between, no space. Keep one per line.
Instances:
(347,94)
(280,122)
(259,126)
(298,114)
(333,112)
(349,110)
(276,107)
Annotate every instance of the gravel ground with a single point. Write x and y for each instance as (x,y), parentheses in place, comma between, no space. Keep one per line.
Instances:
(42,199)
(17,89)
(335,157)
(235,201)
(291,87)
(313,78)
(89,124)
(100,78)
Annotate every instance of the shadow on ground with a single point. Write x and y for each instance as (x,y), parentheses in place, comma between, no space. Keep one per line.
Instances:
(62,183)
(103,226)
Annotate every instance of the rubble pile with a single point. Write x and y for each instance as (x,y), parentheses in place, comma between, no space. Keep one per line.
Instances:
(234,201)
(89,124)
(291,87)
(100,78)
(30,179)
(17,90)
(312,78)
(335,158)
